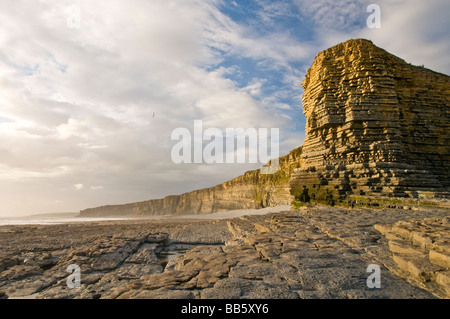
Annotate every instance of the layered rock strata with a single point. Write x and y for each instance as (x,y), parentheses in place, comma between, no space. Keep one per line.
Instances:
(421,252)
(376,125)
(321,252)
(250,191)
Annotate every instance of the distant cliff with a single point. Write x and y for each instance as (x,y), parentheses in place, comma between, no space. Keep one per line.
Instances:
(249,191)
(376,126)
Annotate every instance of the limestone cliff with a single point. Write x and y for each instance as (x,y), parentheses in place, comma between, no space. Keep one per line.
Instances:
(250,191)
(376,125)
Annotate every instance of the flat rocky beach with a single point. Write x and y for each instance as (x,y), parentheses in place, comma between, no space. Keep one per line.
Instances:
(312,252)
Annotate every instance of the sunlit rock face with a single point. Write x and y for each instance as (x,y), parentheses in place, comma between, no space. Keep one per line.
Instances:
(251,190)
(376,125)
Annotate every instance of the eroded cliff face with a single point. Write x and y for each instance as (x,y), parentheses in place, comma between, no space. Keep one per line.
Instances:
(376,125)
(250,191)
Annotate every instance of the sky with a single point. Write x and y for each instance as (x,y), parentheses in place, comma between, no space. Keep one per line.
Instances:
(91,91)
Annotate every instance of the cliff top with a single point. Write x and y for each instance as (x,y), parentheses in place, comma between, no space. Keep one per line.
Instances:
(359,48)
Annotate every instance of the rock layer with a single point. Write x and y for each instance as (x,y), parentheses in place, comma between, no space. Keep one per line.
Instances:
(321,252)
(376,125)
(250,191)
(421,252)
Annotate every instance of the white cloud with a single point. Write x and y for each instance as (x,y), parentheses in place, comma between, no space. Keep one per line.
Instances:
(334,15)
(80,102)
(416,31)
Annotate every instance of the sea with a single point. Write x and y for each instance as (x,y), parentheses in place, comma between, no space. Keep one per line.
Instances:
(65,218)
(52,219)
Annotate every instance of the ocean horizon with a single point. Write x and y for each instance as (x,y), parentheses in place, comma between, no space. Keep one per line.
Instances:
(66,218)
(57,220)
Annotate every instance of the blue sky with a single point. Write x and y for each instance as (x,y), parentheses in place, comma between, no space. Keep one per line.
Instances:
(77,104)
